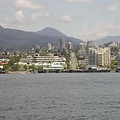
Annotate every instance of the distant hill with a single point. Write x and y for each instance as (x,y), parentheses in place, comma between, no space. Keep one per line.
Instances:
(107,39)
(13,39)
(51,32)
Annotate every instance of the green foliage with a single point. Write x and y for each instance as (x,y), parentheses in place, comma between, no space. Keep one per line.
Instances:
(5,67)
(113,63)
(16,67)
(68,65)
(40,68)
(32,67)
(81,66)
(25,67)
(11,62)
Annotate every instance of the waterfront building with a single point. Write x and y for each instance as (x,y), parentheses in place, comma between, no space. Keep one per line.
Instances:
(62,44)
(99,56)
(119,55)
(43,59)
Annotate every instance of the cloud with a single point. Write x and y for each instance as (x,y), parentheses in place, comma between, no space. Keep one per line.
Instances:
(85,1)
(102,34)
(113,8)
(17,20)
(67,18)
(27,4)
(113,27)
(19,16)
(94,34)
(39,16)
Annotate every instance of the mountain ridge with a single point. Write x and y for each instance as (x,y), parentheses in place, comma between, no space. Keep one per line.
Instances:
(107,39)
(49,31)
(13,39)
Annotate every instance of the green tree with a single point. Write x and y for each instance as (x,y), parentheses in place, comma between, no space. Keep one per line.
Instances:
(81,66)
(11,62)
(16,67)
(68,65)
(5,67)
(32,67)
(25,67)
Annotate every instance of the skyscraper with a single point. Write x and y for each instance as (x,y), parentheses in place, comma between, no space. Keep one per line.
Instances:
(70,46)
(82,46)
(62,44)
(49,46)
(89,44)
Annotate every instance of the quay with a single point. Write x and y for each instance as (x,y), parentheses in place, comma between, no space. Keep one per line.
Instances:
(74,71)
(85,71)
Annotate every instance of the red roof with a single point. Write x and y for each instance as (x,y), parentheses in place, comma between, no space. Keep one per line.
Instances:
(3,63)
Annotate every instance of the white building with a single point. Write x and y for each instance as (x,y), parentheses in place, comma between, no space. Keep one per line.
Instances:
(70,46)
(49,46)
(82,47)
(119,55)
(43,59)
(99,56)
(38,60)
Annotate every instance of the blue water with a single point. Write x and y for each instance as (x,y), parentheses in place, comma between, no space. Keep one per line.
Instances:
(60,96)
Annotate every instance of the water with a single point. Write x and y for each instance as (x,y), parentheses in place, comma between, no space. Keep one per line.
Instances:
(60,96)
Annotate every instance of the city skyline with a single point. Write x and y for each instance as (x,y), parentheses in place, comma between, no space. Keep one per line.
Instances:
(83,19)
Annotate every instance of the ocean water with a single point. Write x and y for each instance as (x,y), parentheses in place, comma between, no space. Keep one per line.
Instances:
(60,96)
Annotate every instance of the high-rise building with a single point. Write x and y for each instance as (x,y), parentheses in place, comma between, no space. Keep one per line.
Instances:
(37,48)
(49,46)
(82,46)
(62,44)
(89,44)
(70,46)
(99,56)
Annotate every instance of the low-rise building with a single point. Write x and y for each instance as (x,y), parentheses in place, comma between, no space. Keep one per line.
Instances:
(43,61)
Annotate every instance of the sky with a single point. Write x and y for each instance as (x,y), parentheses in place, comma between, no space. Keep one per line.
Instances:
(83,19)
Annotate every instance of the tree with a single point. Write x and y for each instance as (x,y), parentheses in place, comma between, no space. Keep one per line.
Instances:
(25,67)
(11,62)
(16,67)
(32,67)
(68,65)
(5,67)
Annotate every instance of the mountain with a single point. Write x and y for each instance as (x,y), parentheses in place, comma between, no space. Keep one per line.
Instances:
(48,31)
(13,39)
(51,32)
(107,39)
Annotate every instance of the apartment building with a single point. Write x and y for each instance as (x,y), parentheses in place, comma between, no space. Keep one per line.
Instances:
(99,56)
(119,55)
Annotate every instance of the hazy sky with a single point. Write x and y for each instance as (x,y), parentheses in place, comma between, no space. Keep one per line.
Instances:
(84,19)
